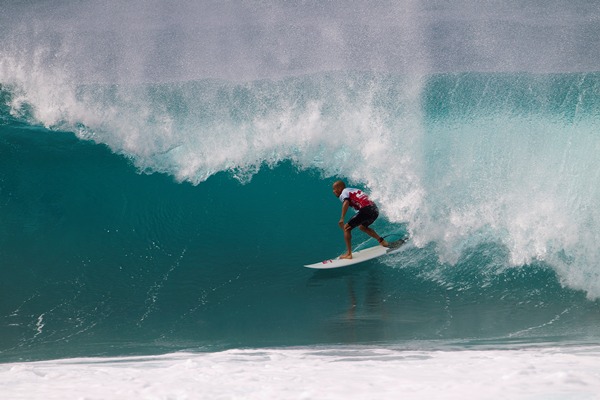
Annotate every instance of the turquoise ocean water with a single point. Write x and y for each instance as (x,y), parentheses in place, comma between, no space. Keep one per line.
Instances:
(152,200)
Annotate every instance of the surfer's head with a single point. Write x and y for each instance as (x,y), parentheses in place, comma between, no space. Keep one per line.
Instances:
(338,186)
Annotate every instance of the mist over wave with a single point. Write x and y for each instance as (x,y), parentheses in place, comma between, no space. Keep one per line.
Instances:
(161,40)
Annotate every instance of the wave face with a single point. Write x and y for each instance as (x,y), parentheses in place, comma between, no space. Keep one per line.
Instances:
(491,175)
(161,192)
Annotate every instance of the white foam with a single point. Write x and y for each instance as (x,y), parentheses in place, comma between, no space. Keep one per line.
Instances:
(332,373)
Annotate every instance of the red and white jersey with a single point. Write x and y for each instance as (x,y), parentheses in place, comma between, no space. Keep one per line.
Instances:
(358,199)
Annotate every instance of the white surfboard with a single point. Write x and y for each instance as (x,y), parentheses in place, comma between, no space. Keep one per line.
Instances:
(359,256)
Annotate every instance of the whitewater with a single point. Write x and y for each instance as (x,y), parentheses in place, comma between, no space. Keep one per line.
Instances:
(166,170)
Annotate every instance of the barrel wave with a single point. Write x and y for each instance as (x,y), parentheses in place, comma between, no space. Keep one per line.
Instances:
(110,246)
(163,182)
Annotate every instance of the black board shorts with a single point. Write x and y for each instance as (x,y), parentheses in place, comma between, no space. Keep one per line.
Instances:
(365,217)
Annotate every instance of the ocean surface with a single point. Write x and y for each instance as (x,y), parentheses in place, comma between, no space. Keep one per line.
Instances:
(163,182)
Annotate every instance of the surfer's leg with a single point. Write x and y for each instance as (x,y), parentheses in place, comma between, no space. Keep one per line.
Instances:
(374,235)
(348,240)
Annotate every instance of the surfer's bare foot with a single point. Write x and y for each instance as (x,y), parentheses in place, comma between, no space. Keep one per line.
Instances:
(384,243)
(346,256)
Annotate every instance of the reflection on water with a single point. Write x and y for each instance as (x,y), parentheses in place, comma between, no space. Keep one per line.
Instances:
(379,303)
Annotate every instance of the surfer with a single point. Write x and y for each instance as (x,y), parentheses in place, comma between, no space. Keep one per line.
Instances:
(366,215)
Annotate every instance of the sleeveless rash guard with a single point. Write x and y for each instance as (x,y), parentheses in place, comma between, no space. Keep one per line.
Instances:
(358,199)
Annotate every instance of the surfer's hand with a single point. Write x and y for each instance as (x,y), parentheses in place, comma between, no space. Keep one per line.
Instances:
(341,224)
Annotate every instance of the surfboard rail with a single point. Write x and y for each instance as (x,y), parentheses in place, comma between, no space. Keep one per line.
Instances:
(359,256)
